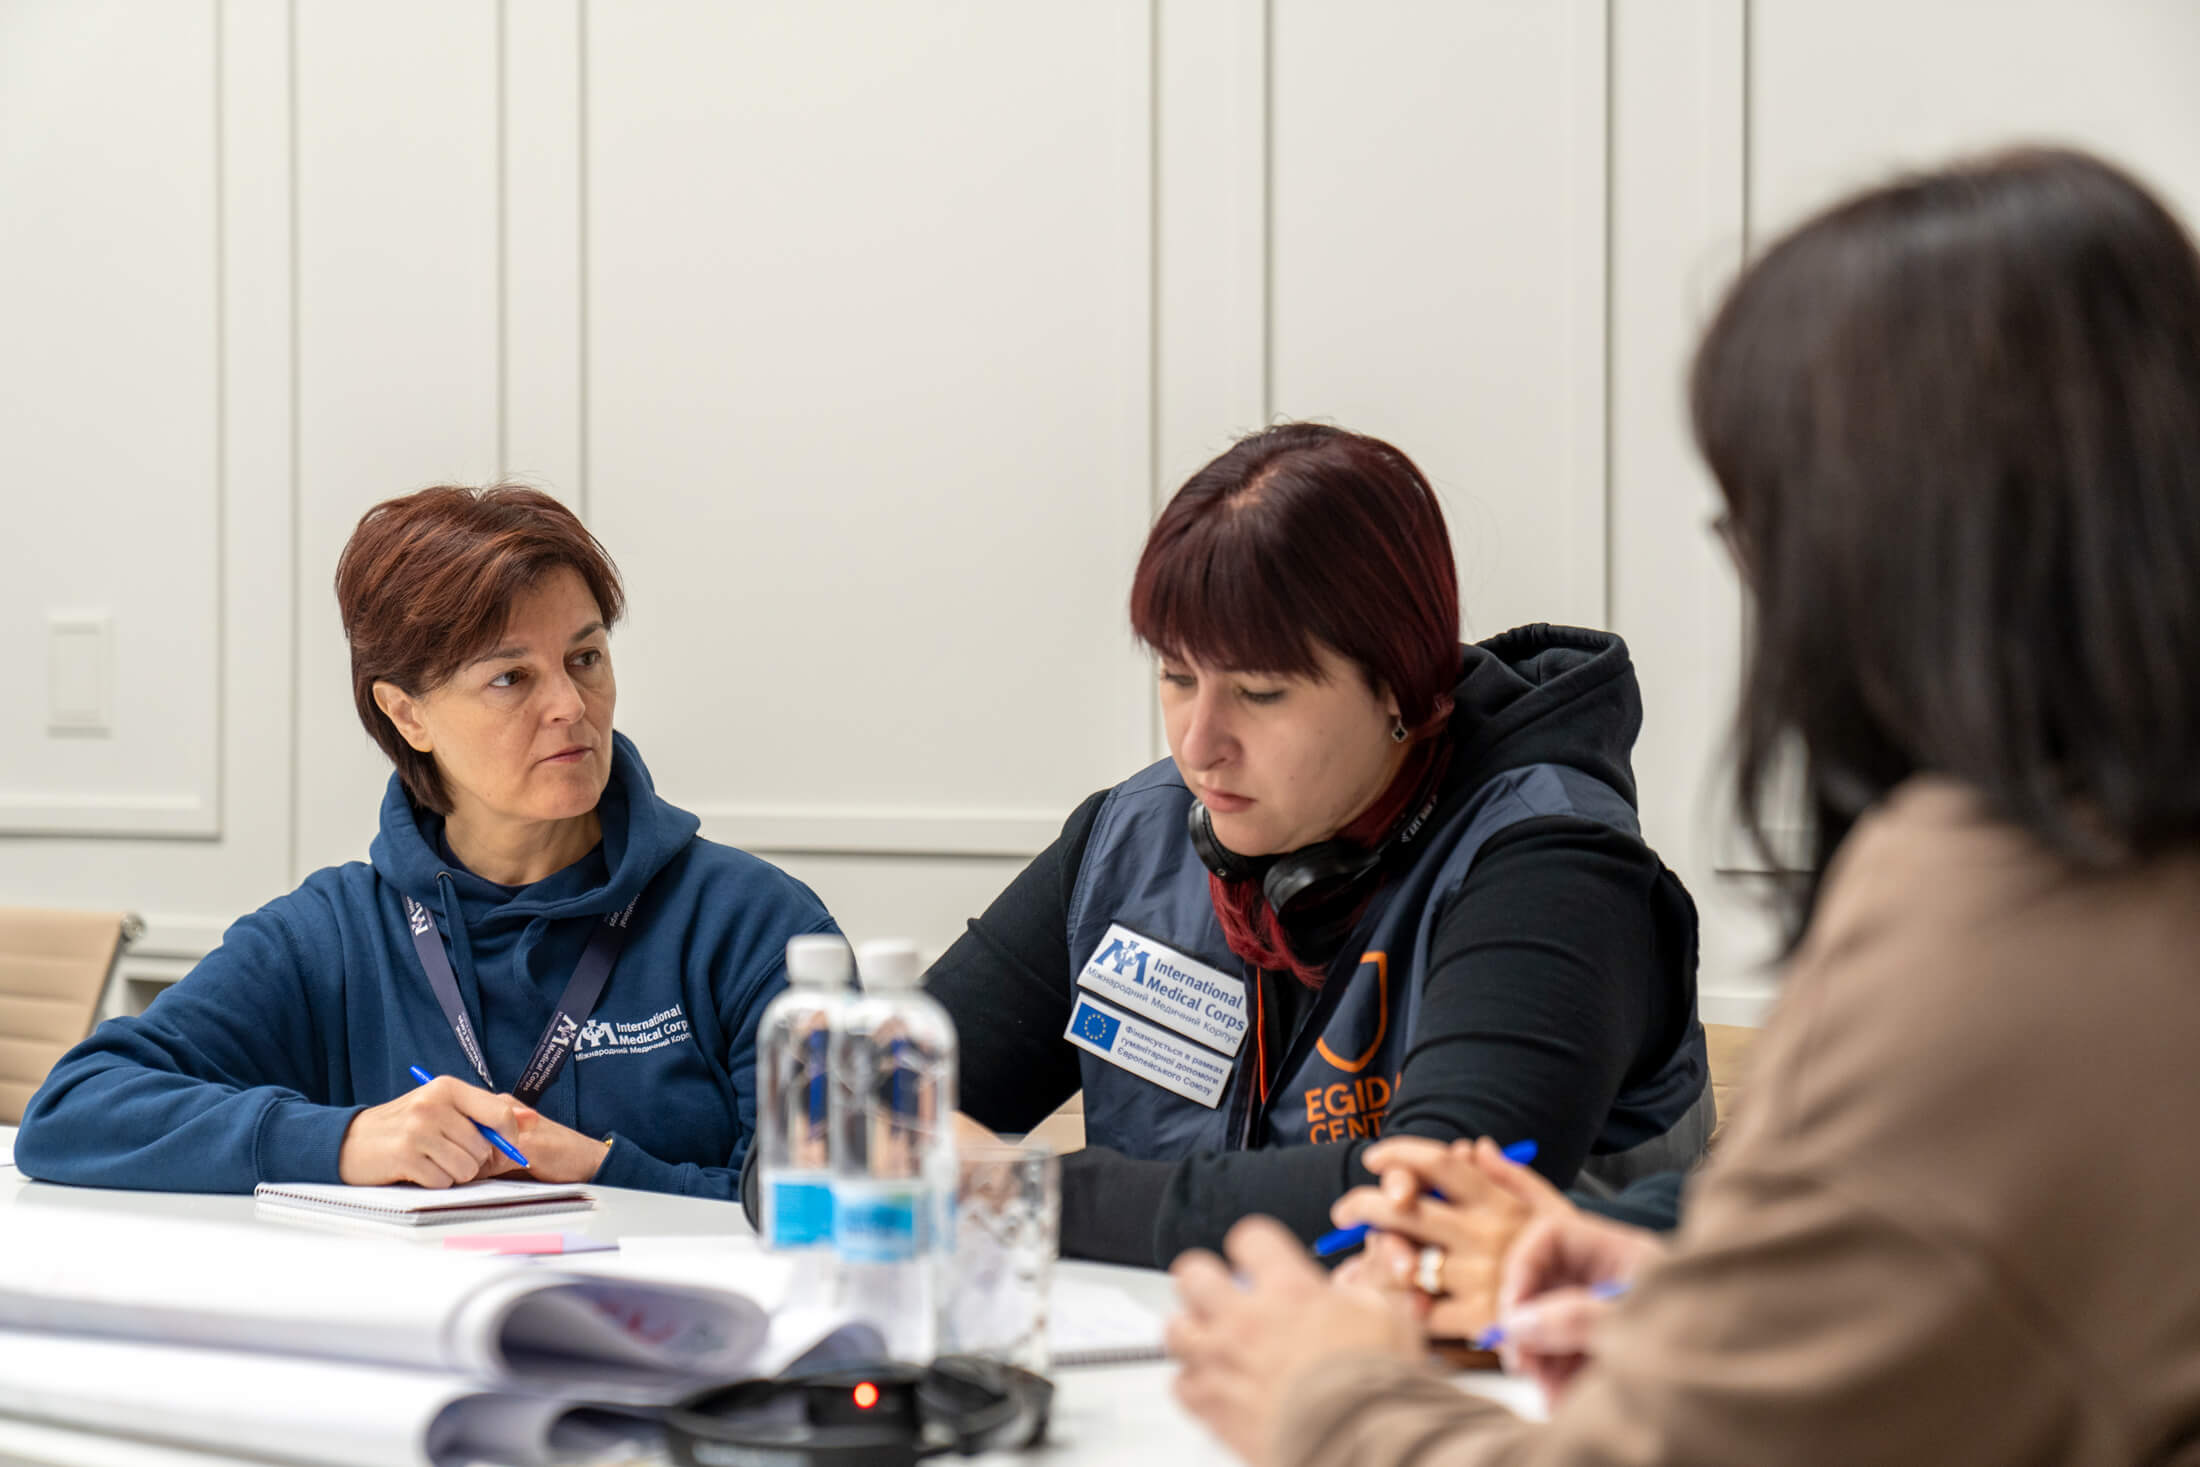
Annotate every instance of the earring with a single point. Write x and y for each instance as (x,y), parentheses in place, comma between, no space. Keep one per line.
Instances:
(1398,734)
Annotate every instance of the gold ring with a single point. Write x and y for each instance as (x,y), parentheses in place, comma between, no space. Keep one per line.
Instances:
(1428,1271)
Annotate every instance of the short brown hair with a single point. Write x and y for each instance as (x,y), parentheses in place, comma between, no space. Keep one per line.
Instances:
(426,584)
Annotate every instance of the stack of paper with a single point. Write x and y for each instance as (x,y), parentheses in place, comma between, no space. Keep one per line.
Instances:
(236,1338)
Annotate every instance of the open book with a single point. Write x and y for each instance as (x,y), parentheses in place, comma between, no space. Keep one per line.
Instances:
(241,1287)
(330,1413)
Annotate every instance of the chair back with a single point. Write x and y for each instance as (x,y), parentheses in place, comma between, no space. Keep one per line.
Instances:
(54,967)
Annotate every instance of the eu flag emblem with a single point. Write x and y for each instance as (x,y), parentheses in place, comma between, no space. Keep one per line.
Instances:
(1097,1027)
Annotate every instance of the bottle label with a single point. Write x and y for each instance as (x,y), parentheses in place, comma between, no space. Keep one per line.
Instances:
(799,1213)
(874,1224)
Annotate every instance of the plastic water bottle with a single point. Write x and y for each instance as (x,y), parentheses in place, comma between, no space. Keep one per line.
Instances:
(794,1138)
(893,1096)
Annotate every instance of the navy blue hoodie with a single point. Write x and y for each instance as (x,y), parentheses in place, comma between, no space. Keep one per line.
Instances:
(314,1007)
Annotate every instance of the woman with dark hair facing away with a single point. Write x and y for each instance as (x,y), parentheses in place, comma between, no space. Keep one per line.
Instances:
(1957,424)
(1385,884)
(579,970)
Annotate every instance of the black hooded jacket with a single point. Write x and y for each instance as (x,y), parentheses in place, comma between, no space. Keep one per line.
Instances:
(1564,967)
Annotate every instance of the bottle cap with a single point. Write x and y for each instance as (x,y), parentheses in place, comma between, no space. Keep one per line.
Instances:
(889,962)
(819,960)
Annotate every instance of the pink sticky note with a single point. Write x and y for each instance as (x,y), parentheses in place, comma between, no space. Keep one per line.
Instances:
(528,1243)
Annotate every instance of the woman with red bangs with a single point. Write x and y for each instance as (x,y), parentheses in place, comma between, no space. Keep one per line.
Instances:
(1384,885)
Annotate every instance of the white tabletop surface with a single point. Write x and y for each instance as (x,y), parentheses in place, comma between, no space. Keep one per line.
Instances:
(1102,1415)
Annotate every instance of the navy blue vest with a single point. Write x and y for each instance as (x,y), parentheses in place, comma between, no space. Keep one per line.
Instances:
(1335,1083)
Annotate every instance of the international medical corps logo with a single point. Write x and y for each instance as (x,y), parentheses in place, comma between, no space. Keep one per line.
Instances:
(600,1038)
(1097,1028)
(1121,955)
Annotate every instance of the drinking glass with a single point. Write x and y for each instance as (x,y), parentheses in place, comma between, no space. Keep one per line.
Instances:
(1008,1220)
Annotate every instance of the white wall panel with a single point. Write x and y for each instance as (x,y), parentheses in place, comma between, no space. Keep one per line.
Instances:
(188,889)
(1842,96)
(1210,231)
(398,329)
(110,410)
(541,438)
(1677,231)
(1437,256)
(868,393)
(869,336)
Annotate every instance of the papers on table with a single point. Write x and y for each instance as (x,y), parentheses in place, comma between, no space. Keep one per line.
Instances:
(314,1411)
(244,1287)
(237,1339)
(1097,1324)
(414,1206)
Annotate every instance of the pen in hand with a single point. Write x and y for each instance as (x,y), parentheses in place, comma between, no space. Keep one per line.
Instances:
(494,1139)
(1494,1336)
(1520,1153)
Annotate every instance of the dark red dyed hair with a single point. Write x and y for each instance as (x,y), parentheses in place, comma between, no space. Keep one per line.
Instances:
(1299,534)
(1304,533)
(426,584)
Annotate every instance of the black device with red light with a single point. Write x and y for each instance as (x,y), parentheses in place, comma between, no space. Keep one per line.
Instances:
(862,1416)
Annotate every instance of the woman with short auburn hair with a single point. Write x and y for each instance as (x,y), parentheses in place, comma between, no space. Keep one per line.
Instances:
(1956,421)
(1385,883)
(580,970)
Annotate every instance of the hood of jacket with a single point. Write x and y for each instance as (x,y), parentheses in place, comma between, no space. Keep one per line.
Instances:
(641,833)
(1546,695)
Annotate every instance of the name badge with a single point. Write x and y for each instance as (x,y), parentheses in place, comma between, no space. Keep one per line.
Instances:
(1162,984)
(1148,1051)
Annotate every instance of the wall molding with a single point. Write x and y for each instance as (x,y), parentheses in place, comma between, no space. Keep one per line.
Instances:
(882,830)
(192,816)
(542,168)
(1589,301)
(188,936)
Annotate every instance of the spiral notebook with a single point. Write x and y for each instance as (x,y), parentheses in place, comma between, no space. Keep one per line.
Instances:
(1097,1324)
(412,1207)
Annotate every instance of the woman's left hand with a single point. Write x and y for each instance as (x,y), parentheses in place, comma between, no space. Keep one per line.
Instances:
(1244,1340)
(554,1153)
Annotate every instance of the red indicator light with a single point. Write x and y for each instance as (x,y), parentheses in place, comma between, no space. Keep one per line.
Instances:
(866,1395)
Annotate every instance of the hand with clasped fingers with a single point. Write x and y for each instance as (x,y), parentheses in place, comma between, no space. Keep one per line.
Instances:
(1463,1202)
(1513,1252)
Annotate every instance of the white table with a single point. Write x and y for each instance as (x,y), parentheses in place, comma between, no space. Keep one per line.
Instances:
(1102,1415)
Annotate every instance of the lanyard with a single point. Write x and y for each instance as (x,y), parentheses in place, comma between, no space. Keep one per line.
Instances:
(575,1004)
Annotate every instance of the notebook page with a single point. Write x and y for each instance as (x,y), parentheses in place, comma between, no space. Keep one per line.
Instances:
(416,1199)
(1094,1324)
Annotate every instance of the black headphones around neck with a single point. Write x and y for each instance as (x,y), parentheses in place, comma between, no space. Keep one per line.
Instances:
(1322,870)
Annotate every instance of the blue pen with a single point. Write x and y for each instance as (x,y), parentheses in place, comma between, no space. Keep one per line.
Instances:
(494,1139)
(1494,1336)
(1520,1153)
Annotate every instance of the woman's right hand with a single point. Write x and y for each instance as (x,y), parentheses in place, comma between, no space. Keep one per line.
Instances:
(1551,1300)
(427,1136)
(1487,1202)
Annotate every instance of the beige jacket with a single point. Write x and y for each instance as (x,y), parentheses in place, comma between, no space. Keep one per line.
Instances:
(1956,1219)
